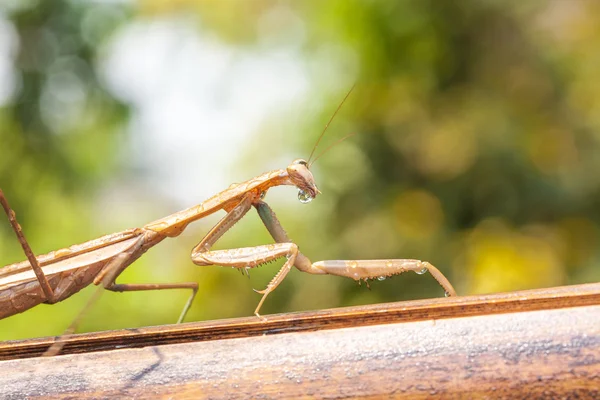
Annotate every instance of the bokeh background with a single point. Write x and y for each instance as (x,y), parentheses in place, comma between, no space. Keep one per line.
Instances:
(477,145)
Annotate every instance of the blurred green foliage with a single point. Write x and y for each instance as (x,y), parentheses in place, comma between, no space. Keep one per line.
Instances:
(478,148)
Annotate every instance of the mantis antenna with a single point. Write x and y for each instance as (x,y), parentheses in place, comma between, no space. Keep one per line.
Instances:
(330,146)
(327,126)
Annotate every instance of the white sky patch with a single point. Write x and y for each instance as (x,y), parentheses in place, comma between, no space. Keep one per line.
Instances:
(8,49)
(196,101)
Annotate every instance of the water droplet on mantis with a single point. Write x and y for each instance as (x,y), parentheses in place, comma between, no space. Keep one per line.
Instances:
(381,278)
(421,271)
(447,293)
(304,197)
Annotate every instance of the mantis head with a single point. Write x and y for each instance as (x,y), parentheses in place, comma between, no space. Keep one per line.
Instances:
(299,172)
(301,176)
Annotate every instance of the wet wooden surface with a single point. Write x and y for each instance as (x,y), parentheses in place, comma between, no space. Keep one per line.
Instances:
(531,344)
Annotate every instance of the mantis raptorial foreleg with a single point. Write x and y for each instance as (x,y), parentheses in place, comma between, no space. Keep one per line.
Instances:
(246,257)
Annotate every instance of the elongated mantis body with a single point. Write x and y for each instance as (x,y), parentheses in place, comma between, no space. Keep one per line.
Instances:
(55,276)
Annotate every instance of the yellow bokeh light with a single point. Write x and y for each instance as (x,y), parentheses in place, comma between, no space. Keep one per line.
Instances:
(418,214)
(500,258)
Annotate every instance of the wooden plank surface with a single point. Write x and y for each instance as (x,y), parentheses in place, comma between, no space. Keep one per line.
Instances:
(530,344)
(407,311)
(540,354)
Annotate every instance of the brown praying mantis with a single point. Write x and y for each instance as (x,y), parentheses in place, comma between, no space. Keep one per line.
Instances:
(55,276)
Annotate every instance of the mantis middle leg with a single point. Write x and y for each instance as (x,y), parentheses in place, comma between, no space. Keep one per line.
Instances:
(355,269)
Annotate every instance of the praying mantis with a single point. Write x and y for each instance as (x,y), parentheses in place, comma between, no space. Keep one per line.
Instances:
(55,276)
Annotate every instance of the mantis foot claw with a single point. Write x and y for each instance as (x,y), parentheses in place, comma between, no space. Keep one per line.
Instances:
(261,291)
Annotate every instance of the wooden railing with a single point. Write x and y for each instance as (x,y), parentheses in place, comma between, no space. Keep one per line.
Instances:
(542,343)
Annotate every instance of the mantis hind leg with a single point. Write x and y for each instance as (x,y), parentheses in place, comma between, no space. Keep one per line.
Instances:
(126,287)
(39,273)
(106,280)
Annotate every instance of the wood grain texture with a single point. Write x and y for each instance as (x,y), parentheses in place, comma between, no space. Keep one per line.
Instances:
(530,344)
(407,311)
(539,354)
